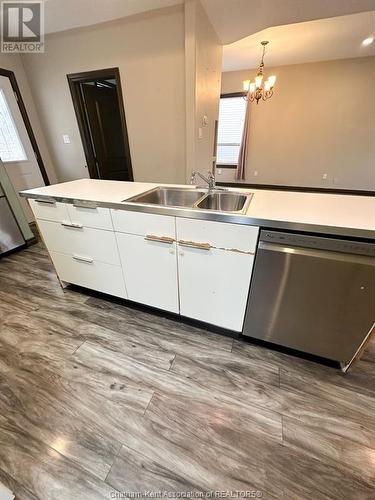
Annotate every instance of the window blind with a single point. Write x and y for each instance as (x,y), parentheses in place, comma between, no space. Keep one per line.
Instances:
(231,122)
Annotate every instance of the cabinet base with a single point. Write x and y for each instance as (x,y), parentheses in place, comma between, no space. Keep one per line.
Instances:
(206,326)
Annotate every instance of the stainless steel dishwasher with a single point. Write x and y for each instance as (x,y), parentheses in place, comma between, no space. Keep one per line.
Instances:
(312,294)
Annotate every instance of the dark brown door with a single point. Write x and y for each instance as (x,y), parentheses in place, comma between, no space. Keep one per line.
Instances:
(97,100)
(105,127)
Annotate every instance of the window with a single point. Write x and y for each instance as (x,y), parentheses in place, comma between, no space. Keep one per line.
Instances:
(232,111)
(11,148)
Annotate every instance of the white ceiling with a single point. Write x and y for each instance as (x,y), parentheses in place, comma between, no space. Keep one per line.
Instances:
(236,19)
(321,40)
(246,23)
(61,15)
(232,19)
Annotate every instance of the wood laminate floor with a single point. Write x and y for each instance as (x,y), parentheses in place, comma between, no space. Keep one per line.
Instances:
(98,399)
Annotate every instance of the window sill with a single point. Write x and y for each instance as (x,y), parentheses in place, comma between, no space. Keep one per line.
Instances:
(226,166)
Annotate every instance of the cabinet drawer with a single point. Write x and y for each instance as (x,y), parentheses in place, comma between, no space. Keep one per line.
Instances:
(83,241)
(99,218)
(47,210)
(142,224)
(96,275)
(218,234)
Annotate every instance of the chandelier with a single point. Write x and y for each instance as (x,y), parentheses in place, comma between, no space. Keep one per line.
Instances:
(261,88)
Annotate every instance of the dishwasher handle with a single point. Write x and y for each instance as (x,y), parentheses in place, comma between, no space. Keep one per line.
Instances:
(318,254)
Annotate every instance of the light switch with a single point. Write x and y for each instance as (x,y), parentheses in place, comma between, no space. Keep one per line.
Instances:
(200,133)
(66,139)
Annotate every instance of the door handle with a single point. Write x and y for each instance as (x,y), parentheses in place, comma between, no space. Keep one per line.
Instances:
(89,260)
(195,244)
(72,225)
(160,239)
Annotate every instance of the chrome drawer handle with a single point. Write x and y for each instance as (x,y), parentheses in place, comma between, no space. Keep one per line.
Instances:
(47,202)
(195,244)
(160,239)
(89,260)
(72,225)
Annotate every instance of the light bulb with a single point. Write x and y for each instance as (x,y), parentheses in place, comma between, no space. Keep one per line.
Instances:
(258,80)
(246,85)
(267,86)
(252,88)
(368,41)
(272,80)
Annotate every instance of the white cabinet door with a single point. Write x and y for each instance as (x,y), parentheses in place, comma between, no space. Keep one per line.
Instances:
(150,270)
(214,279)
(214,285)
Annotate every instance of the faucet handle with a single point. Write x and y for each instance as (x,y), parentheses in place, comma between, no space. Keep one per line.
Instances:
(211,180)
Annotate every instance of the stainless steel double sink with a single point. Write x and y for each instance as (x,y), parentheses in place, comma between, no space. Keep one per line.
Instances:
(215,199)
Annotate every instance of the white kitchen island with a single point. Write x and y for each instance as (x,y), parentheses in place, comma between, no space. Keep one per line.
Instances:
(346,215)
(193,262)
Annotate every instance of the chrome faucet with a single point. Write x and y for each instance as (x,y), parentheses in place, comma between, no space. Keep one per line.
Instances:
(210,179)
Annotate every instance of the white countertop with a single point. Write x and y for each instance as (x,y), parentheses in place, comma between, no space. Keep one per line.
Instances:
(321,212)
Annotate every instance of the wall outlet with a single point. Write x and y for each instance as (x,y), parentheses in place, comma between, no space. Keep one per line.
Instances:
(66,139)
(255,173)
(324,176)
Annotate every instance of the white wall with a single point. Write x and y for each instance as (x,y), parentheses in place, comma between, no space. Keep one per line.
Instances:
(321,120)
(203,59)
(13,62)
(149,51)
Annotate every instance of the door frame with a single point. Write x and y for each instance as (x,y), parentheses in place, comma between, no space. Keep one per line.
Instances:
(21,105)
(74,81)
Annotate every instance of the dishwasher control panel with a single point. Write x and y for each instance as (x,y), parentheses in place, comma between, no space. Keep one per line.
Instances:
(318,242)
